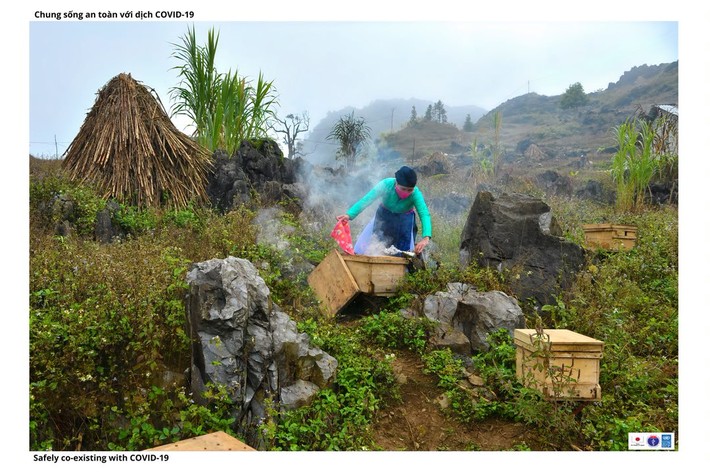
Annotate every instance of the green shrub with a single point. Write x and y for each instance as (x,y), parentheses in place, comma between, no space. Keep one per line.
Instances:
(340,417)
(392,330)
(135,220)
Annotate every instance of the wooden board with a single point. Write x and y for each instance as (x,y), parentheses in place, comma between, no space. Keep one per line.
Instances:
(332,282)
(216,441)
(560,340)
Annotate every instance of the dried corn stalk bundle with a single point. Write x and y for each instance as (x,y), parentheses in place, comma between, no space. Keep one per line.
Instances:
(131,151)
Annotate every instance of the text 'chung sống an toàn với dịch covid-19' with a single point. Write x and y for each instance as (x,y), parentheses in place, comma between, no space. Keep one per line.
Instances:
(103,15)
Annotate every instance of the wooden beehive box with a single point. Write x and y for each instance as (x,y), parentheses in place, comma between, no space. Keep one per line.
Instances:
(561,364)
(216,441)
(340,277)
(610,237)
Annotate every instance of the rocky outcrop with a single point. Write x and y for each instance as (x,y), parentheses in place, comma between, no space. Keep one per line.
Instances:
(255,167)
(594,190)
(244,342)
(518,233)
(466,317)
(554,184)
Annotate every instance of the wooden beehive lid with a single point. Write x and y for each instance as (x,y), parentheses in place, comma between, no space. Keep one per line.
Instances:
(216,441)
(561,340)
(615,231)
(375,259)
(607,226)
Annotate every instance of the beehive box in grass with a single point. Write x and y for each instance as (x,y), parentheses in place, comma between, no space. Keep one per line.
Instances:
(610,237)
(559,363)
(341,277)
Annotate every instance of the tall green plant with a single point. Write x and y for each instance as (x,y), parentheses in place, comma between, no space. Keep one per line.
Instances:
(351,133)
(225,108)
(497,151)
(199,80)
(634,164)
(482,164)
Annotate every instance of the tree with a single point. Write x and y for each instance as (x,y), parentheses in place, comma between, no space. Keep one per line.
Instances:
(574,97)
(468,123)
(413,116)
(439,112)
(351,133)
(429,114)
(291,127)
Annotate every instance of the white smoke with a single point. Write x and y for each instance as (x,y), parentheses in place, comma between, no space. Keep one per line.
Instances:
(328,193)
(376,247)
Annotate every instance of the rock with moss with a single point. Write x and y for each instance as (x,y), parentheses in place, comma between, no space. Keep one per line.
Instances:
(242,340)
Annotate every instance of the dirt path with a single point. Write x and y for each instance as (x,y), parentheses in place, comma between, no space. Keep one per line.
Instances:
(417,423)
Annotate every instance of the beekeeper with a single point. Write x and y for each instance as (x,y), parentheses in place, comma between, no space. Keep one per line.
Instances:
(394,222)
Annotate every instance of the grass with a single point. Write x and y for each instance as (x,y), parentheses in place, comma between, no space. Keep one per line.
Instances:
(106,321)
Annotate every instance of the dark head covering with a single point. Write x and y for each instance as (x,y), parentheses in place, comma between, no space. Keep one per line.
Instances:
(406,177)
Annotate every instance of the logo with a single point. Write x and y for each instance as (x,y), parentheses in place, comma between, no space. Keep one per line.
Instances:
(666,441)
(651,440)
(636,441)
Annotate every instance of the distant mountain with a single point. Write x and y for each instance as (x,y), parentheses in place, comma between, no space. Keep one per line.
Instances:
(382,116)
(525,120)
(540,119)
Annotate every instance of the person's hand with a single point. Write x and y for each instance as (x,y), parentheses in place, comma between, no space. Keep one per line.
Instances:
(420,246)
(344,217)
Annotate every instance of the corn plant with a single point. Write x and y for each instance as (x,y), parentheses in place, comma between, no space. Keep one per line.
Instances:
(497,151)
(481,162)
(634,164)
(199,79)
(224,108)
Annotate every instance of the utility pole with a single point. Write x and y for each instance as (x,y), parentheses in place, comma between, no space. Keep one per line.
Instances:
(392,122)
(414,141)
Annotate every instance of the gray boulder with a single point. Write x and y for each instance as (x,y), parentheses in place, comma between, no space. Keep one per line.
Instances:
(242,341)
(554,183)
(466,317)
(105,231)
(517,232)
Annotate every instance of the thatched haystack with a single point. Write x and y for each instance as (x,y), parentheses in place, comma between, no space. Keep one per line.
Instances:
(131,151)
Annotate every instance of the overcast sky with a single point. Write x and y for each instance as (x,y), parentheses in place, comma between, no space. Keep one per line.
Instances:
(322,66)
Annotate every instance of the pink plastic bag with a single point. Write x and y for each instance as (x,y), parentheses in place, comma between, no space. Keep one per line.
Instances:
(341,234)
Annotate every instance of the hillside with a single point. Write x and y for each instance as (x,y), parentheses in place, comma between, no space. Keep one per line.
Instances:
(525,120)
(382,116)
(538,119)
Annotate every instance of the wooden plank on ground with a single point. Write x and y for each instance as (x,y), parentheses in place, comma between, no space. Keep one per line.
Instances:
(216,441)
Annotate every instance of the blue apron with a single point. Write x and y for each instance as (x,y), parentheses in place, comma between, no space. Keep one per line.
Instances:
(388,228)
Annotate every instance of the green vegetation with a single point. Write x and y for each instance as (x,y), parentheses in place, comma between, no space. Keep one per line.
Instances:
(107,329)
(107,322)
(224,108)
(643,154)
(574,97)
(351,134)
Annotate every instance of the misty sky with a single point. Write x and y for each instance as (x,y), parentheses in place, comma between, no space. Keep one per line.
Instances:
(325,66)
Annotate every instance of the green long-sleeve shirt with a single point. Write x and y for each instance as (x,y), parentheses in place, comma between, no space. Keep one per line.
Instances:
(385,191)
